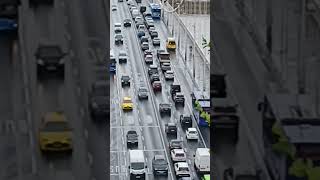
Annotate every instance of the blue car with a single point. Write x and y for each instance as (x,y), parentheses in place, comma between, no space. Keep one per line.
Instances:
(8,24)
(141,33)
(112,69)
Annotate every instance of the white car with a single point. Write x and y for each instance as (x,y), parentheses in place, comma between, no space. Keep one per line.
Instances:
(117,27)
(192,134)
(169,75)
(149,59)
(123,56)
(114,7)
(181,169)
(178,155)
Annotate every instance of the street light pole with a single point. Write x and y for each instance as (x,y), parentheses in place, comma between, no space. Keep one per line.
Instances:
(193,52)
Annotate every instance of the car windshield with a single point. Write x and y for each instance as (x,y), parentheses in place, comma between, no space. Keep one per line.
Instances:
(179,154)
(49,52)
(172,42)
(127,101)
(125,78)
(56,126)
(183,169)
(193,132)
(176,143)
(142,90)
(137,165)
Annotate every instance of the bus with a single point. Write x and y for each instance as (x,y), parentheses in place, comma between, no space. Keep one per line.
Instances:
(155,10)
(201,108)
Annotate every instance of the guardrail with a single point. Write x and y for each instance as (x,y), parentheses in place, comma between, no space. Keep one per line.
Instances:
(188,49)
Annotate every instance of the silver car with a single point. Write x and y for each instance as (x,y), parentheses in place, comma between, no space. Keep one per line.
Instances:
(168,75)
(123,57)
(142,93)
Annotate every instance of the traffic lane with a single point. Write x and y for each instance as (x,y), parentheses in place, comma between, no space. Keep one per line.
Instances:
(117,171)
(149,154)
(181,77)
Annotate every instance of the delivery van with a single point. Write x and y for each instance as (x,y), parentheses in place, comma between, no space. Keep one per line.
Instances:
(137,164)
(202,160)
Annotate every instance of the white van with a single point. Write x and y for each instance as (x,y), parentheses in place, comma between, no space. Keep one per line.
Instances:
(137,164)
(117,27)
(202,160)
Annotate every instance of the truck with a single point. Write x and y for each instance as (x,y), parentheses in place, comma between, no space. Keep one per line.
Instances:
(9,15)
(201,108)
(137,165)
(163,56)
(202,160)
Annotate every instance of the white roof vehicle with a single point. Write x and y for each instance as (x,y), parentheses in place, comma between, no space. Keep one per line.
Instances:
(169,75)
(178,155)
(192,133)
(202,160)
(182,169)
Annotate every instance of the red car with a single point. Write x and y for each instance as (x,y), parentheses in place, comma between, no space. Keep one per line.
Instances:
(156,85)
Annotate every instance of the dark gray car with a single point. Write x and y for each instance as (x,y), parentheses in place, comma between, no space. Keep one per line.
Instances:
(98,100)
(118,39)
(132,138)
(143,93)
(159,165)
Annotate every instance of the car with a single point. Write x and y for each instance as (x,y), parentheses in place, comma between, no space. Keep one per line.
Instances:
(192,134)
(114,7)
(145,46)
(141,33)
(139,23)
(117,27)
(148,18)
(181,169)
(98,100)
(159,165)
(147,52)
(178,98)
(156,85)
(127,23)
(151,29)
(153,69)
(154,77)
(171,129)
(156,41)
(142,8)
(130,2)
(50,60)
(146,14)
(123,56)
(55,133)
(165,66)
(120,0)
(142,93)
(174,88)
(165,108)
(178,155)
(125,80)
(185,120)
(127,103)
(149,24)
(153,34)
(175,144)
(171,44)
(144,39)
(8,25)
(169,75)
(160,51)
(132,138)
(138,19)
(118,39)
(148,59)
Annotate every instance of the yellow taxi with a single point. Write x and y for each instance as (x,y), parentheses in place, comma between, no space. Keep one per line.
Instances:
(127,103)
(171,44)
(55,133)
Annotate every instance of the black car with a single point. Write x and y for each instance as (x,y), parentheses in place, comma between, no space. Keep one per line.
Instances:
(175,144)
(153,69)
(178,98)
(50,60)
(153,34)
(159,165)
(118,39)
(127,23)
(132,138)
(171,128)
(154,77)
(144,39)
(185,120)
(142,8)
(98,100)
(174,88)
(125,80)
(165,108)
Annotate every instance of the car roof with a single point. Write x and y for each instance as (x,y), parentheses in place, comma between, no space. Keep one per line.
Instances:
(166,63)
(153,66)
(182,164)
(149,55)
(171,39)
(159,156)
(127,98)
(157,82)
(132,132)
(192,129)
(145,43)
(179,93)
